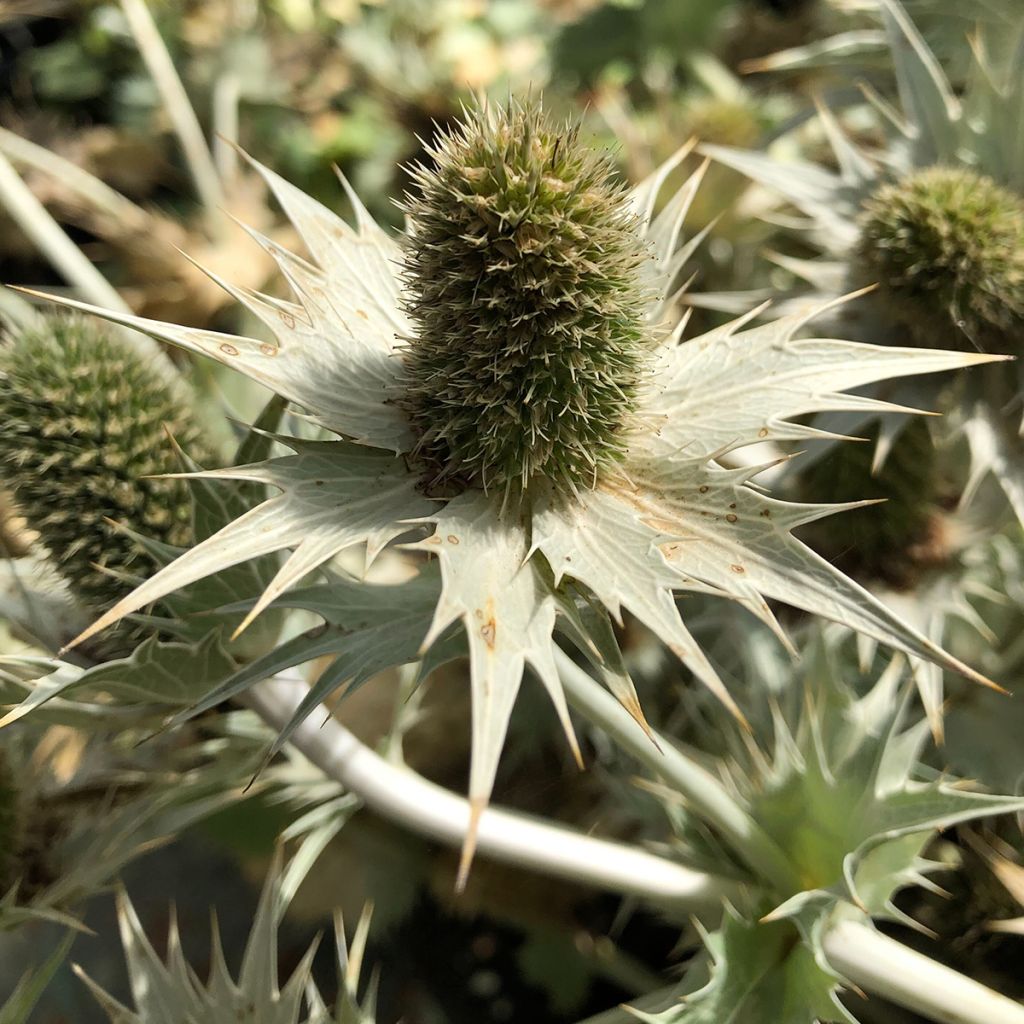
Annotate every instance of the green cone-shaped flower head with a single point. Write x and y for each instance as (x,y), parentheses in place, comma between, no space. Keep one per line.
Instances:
(84,421)
(523,263)
(892,542)
(946,246)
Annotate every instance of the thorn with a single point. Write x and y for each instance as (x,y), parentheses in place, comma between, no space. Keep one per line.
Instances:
(477,805)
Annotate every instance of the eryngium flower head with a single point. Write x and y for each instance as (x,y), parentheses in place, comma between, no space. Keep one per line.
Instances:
(84,426)
(946,244)
(522,262)
(891,542)
(671,518)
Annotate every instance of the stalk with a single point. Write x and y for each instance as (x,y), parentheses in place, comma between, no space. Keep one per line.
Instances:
(702,791)
(428,809)
(48,236)
(887,968)
(179,110)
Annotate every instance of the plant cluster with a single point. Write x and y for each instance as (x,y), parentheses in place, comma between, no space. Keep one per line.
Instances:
(268,537)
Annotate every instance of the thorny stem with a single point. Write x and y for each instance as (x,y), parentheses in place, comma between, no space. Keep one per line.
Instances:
(863,956)
(702,791)
(403,796)
(176,103)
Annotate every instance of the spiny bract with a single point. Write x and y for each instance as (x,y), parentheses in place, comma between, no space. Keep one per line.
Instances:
(522,262)
(947,244)
(85,423)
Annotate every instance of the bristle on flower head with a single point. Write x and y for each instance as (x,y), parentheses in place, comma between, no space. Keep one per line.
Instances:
(523,268)
(946,246)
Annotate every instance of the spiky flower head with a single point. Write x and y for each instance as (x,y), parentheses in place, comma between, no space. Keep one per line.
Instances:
(523,264)
(85,427)
(946,246)
(894,541)
(397,389)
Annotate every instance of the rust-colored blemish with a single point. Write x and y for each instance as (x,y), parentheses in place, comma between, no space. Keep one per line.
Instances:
(738,569)
(452,539)
(229,350)
(763,432)
(766,512)
(703,488)
(288,320)
(730,517)
(268,350)
(489,631)
(363,314)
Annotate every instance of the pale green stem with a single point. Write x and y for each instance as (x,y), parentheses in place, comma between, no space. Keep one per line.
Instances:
(47,235)
(884,967)
(428,809)
(226,96)
(703,793)
(176,104)
(887,968)
(86,187)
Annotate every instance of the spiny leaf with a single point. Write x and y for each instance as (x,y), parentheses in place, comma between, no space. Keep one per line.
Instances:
(333,495)
(508,615)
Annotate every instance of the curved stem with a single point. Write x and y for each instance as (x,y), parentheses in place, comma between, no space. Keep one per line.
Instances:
(888,968)
(702,791)
(429,809)
(863,956)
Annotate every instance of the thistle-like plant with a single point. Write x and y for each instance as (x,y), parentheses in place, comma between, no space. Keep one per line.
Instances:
(841,790)
(935,220)
(607,494)
(947,244)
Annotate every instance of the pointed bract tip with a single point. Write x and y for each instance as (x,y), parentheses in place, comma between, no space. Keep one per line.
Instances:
(477,805)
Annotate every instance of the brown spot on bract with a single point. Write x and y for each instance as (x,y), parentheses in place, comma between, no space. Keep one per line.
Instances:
(738,569)
(763,432)
(288,320)
(489,631)
(733,505)
(703,488)
(229,350)
(730,518)
(434,540)
(766,512)
(363,314)
(268,350)
(452,539)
